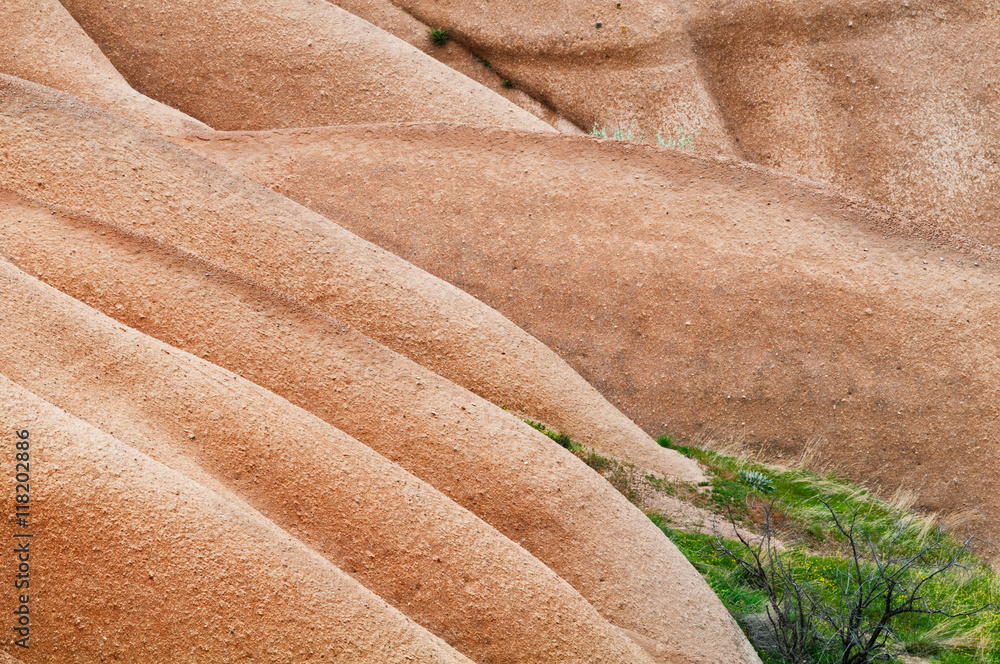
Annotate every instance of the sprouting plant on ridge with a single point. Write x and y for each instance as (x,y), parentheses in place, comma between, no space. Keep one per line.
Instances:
(757,481)
(682,138)
(439,36)
(629,133)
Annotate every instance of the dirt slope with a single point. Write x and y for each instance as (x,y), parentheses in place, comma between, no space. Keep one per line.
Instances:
(625,64)
(897,101)
(201,577)
(696,294)
(481,457)
(399,537)
(283,63)
(893,101)
(40,42)
(395,21)
(64,152)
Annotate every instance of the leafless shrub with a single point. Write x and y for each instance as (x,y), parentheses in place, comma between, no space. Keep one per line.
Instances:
(883,578)
(790,630)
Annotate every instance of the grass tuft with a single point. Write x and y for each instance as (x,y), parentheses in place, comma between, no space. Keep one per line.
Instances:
(682,138)
(439,36)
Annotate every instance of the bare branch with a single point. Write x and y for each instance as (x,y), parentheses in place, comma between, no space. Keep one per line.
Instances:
(882,581)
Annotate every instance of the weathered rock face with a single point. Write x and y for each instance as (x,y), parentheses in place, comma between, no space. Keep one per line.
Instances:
(40,42)
(896,101)
(625,593)
(260,429)
(697,296)
(149,186)
(134,560)
(403,540)
(619,561)
(616,66)
(283,63)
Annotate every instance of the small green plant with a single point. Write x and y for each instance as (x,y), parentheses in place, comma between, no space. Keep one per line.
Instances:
(507,83)
(681,139)
(622,476)
(439,36)
(757,481)
(557,436)
(629,133)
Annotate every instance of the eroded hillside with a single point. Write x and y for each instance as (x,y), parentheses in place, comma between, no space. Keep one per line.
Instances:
(278,287)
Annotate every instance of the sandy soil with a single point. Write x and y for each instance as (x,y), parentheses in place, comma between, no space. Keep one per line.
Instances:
(299,63)
(42,43)
(136,561)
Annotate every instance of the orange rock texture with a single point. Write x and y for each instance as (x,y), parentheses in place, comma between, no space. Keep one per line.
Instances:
(698,296)
(279,280)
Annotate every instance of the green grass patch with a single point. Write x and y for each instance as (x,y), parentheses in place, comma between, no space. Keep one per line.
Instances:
(557,436)
(682,138)
(816,550)
(798,489)
(630,133)
(439,36)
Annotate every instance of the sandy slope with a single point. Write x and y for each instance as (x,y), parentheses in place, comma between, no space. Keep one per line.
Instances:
(397,22)
(897,101)
(481,457)
(696,294)
(638,70)
(197,577)
(40,42)
(64,152)
(399,537)
(282,63)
